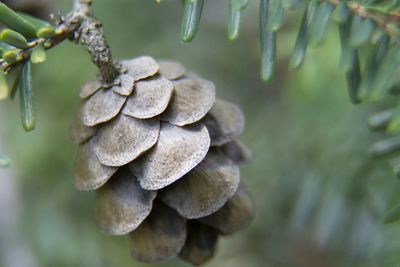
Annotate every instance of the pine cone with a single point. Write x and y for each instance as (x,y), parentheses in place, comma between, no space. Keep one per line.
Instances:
(161,153)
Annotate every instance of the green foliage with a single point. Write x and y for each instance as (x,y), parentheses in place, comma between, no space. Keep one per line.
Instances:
(267,41)
(360,23)
(26,97)
(236,8)
(363,26)
(302,150)
(22,42)
(341,13)
(275,15)
(16,22)
(320,22)
(191,19)
(369,32)
(43,28)
(300,47)
(13,38)
(38,54)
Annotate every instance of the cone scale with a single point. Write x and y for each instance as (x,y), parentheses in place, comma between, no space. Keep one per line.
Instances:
(162,154)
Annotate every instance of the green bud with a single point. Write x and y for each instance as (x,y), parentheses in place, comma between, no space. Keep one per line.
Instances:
(43,28)
(13,38)
(38,54)
(10,56)
(46,32)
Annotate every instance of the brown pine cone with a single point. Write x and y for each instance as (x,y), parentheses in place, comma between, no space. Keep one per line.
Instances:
(161,153)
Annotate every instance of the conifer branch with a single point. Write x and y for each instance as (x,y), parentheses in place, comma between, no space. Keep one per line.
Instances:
(80,26)
(90,34)
(382,20)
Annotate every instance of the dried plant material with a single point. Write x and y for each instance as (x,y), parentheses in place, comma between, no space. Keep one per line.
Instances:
(89,173)
(205,189)
(177,151)
(235,215)
(171,70)
(238,152)
(151,98)
(124,139)
(78,131)
(192,99)
(121,204)
(141,67)
(102,107)
(160,237)
(90,88)
(225,122)
(150,134)
(200,243)
(126,86)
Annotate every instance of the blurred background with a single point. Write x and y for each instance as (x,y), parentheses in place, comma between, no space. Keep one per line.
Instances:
(320,198)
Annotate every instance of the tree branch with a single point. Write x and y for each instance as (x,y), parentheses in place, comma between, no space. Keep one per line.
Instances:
(381,20)
(80,26)
(90,34)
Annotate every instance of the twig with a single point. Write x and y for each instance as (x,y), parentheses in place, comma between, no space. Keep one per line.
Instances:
(381,20)
(90,35)
(80,26)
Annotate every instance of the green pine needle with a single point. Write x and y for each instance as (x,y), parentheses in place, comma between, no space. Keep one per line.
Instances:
(26,97)
(275,15)
(386,73)
(236,8)
(191,19)
(268,44)
(361,31)
(320,23)
(372,65)
(341,13)
(300,47)
(16,22)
